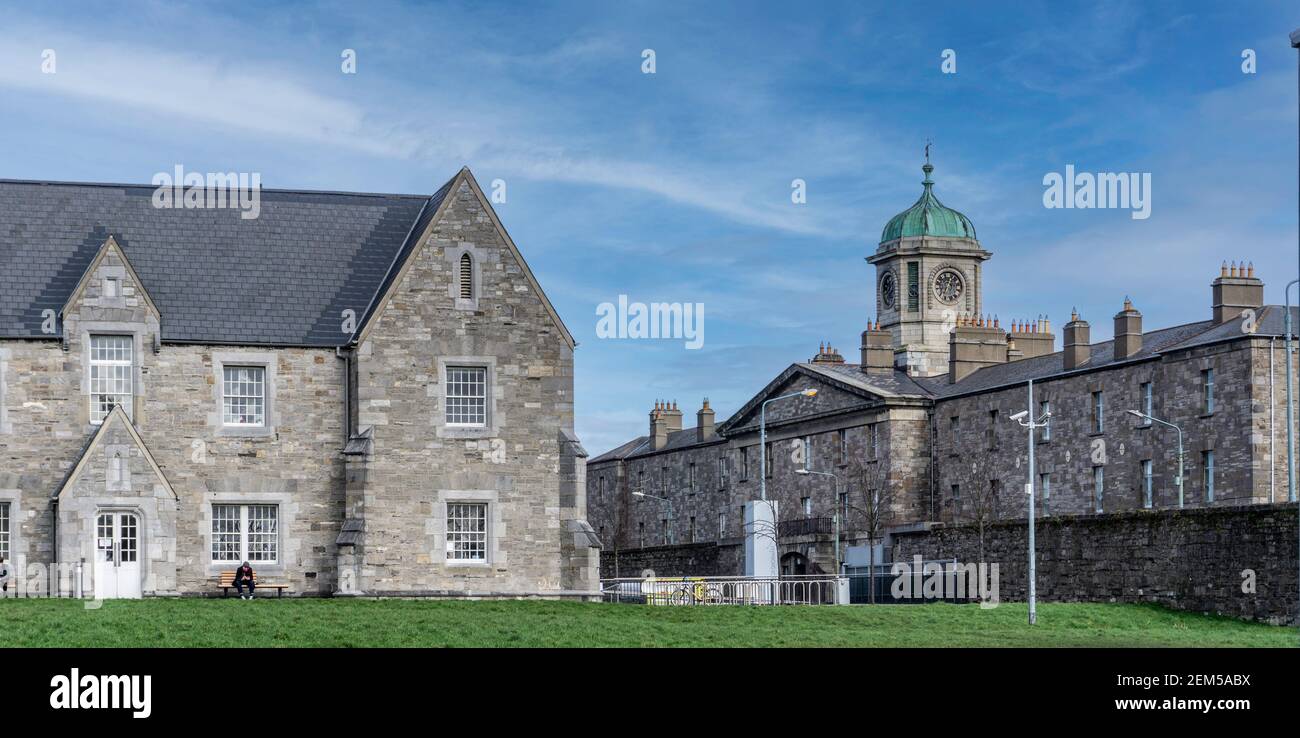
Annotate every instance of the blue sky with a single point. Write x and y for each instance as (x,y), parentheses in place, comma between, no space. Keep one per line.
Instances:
(676,186)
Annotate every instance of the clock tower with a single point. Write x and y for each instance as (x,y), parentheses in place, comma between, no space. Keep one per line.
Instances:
(927,275)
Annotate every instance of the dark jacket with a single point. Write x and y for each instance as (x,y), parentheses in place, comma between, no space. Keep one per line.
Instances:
(241,574)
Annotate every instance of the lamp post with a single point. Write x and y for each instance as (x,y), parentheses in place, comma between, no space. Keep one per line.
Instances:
(1179,478)
(1026,421)
(762,438)
(836,516)
(670,510)
(1290,441)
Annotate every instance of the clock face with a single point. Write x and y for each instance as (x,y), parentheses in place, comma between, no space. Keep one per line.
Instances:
(948,286)
(888,290)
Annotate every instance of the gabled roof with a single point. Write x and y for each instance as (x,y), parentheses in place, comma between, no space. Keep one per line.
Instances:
(859,385)
(115,417)
(284,278)
(110,246)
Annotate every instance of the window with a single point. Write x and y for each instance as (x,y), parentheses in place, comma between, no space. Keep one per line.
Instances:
(1098,484)
(807,452)
(744,463)
(1146,483)
(954,425)
(1045,433)
(4,529)
(600,488)
(466,395)
(640,535)
(956,493)
(1207,470)
(691,477)
(1207,390)
(722,472)
(995,494)
(844,507)
(993,429)
(243,396)
(110,375)
(875,440)
(246,533)
(722,524)
(1045,490)
(640,481)
(1098,407)
(691,531)
(841,447)
(1147,404)
(467,531)
(767,458)
(666,535)
(663,480)
(913,286)
(806,502)
(466,277)
(112,287)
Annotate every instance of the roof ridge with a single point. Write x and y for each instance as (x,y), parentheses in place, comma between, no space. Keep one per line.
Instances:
(278,190)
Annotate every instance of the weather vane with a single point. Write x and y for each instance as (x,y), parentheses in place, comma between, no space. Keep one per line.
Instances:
(928,143)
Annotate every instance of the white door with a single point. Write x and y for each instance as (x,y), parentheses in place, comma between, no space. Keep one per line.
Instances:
(117,555)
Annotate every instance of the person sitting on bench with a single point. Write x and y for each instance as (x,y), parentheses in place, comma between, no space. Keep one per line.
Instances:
(6,572)
(244,578)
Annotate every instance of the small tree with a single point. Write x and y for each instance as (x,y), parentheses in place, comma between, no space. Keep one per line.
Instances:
(871,477)
(980,496)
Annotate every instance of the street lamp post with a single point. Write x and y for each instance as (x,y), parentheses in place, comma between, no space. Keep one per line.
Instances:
(836,508)
(670,510)
(762,438)
(1179,478)
(1290,402)
(1290,446)
(1025,419)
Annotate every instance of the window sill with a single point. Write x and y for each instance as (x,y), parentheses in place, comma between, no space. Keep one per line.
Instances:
(246,431)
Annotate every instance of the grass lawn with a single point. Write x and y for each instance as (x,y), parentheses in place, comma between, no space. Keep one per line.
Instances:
(424,623)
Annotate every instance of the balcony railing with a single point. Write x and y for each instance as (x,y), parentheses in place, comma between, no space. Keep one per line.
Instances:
(805,527)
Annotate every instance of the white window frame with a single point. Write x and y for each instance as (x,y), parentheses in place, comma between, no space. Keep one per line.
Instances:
(454,380)
(1098,412)
(1207,390)
(6,533)
(1148,484)
(1045,489)
(1148,401)
(127,399)
(462,543)
(226,396)
(1045,408)
(806,505)
(722,524)
(1098,487)
(1207,473)
(245,538)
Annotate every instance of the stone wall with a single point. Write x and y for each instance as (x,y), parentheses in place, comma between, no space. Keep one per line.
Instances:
(1192,559)
(711,559)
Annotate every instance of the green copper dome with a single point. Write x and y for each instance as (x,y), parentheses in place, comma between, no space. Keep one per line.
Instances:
(928,217)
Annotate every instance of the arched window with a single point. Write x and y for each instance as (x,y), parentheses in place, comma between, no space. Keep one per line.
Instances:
(466,277)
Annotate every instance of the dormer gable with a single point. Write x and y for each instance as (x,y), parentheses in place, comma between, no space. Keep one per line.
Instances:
(116,461)
(110,290)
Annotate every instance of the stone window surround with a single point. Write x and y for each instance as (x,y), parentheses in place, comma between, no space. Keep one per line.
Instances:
(270,408)
(5,426)
(113,328)
(437,529)
(494,413)
(15,499)
(476,254)
(286,545)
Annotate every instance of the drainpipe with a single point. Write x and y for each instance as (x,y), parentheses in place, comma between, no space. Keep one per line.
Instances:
(1272,433)
(54,533)
(346,357)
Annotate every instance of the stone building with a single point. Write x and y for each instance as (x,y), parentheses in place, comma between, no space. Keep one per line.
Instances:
(357,393)
(918,431)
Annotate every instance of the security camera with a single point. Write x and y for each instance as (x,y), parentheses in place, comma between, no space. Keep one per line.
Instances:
(1020,415)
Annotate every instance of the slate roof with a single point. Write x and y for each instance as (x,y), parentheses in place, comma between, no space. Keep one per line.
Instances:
(641,445)
(282,279)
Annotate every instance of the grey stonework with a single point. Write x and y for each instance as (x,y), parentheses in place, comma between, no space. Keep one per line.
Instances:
(353,434)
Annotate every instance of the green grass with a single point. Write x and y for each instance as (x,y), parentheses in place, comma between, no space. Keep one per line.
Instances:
(424,623)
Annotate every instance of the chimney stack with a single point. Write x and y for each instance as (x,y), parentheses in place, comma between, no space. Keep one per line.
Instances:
(1128,331)
(658,427)
(974,343)
(704,422)
(1077,348)
(826,354)
(1236,289)
(1033,337)
(877,350)
(672,416)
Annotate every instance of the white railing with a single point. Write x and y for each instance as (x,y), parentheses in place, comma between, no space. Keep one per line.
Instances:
(793,590)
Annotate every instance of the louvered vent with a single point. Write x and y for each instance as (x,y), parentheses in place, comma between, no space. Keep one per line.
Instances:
(466,277)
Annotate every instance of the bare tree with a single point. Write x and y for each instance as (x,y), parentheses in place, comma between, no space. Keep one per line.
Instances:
(979,498)
(871,478)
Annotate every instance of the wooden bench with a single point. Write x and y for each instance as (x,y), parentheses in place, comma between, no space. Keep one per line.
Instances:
(227,583)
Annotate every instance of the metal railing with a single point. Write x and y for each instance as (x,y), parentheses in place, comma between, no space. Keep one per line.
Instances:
(805,527)
(794,590)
